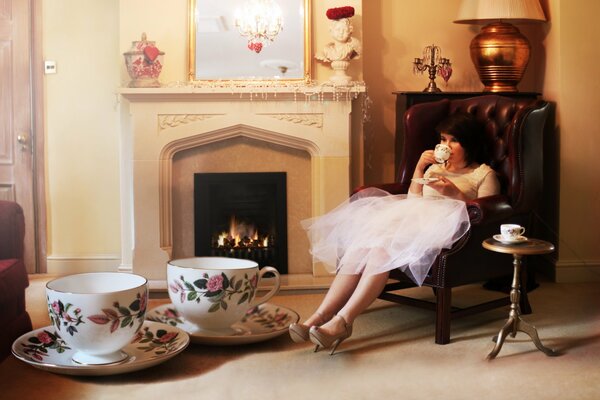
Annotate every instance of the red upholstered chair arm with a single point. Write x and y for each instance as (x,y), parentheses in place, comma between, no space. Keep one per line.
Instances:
(12,230)
(489,209)
(393,188)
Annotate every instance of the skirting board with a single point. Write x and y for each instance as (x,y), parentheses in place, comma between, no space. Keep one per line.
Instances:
(577,271)
(566,271)
(66,265)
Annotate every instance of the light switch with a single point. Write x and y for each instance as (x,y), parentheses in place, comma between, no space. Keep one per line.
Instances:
(49,67)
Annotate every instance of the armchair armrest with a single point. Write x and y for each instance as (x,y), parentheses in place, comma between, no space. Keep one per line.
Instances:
(392,188)
(12,230)
(489,209)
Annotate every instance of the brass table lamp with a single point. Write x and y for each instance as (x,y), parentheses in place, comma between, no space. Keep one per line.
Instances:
(500,52)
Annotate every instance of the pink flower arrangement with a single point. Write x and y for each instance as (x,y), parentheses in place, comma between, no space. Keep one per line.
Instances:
(340,12)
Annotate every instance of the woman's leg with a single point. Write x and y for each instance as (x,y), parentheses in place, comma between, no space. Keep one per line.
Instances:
(367,290)
(338,294)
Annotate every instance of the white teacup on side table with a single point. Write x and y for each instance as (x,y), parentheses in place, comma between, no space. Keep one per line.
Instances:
(515,322)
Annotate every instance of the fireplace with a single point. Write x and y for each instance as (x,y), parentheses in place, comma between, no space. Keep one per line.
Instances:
(242,215)
(169,134)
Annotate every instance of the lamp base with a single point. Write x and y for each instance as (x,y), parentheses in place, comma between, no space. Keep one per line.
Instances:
(500,54)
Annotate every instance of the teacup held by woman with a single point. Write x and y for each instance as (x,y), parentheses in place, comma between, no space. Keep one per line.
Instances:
(441,153)
(98,314)
(215,292)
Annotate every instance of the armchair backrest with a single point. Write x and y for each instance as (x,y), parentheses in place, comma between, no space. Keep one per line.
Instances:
(513,136)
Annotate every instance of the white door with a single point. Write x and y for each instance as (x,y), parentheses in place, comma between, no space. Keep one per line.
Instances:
(16,141)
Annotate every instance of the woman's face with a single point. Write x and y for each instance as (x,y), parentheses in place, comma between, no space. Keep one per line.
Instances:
(458,153)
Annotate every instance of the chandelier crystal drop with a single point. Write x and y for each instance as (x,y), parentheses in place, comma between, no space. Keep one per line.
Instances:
(260,21)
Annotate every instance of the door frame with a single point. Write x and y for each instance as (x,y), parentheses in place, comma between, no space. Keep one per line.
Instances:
(38,133)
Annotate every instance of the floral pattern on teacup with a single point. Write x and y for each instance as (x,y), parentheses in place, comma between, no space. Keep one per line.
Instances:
(163,342)
(217,289)
(37,346)
(69,317)
(64,315)
(271,320)
(123,316)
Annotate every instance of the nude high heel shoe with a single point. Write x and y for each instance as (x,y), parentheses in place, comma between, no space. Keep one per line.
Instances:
(300,332)
(324,340)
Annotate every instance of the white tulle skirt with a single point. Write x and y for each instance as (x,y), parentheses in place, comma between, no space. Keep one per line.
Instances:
(375,232)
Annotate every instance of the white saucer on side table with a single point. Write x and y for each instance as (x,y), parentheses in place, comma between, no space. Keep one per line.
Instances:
(502,239)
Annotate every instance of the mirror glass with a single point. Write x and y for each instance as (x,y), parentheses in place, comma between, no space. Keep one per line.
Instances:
(218,51)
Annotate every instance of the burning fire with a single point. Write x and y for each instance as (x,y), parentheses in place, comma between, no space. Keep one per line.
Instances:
(241,234)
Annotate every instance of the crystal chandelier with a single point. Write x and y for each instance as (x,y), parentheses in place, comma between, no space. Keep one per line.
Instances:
(260,21)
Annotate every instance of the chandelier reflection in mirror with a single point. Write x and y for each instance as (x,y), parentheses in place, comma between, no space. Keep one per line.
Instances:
(260,21)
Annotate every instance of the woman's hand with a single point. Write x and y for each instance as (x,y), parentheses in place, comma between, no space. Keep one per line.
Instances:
(445,187)
(425,160)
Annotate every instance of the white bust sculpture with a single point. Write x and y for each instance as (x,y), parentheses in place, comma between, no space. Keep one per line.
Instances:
(344,47)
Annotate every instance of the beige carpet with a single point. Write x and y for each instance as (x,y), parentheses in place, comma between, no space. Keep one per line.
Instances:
(390,355)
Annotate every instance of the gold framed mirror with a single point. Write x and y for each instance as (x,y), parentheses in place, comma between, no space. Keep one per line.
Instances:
(218,49)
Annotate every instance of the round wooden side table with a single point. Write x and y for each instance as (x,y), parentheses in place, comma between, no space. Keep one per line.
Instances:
(515,322)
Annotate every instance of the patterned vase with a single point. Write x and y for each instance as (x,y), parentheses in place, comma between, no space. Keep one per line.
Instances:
(144,62)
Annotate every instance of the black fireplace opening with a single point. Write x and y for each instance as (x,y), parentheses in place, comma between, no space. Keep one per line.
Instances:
(242,215)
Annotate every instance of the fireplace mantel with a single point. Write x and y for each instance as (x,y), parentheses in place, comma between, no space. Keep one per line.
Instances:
(157,123)
(248,92)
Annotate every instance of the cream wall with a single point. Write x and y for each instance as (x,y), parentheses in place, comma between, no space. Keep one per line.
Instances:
(578,131)
(82,147)
(82,136)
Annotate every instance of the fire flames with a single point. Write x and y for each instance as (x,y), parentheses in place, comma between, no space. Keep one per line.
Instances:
(241,235)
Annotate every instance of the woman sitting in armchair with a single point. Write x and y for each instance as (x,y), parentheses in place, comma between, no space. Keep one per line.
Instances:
(375,232)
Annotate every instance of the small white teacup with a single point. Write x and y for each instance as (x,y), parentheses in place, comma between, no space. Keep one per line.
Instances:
(215,292)
(98,314)
(441,153)
(511,231)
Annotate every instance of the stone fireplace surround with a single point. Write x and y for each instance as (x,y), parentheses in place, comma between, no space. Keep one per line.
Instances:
(161,124)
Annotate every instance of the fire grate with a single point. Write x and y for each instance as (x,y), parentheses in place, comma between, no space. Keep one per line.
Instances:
(242,215)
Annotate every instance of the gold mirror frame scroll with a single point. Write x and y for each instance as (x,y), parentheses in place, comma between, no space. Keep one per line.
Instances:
(306,57)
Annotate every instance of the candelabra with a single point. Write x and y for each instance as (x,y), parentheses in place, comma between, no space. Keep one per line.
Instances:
(435,64)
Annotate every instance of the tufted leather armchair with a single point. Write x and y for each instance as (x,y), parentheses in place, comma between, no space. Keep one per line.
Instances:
(14,318)
(514,132)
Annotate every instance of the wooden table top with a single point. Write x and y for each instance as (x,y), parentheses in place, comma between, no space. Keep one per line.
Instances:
(527,247)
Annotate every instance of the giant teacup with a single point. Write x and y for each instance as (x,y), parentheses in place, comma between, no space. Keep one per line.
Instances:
(215,292)
(97,314)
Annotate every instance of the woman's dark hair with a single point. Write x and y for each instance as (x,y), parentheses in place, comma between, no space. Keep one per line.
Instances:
(469,133)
